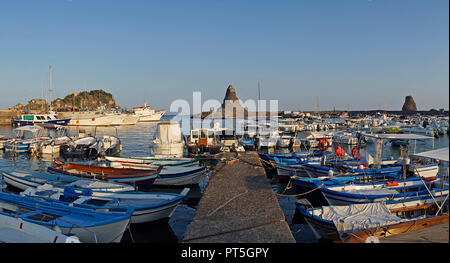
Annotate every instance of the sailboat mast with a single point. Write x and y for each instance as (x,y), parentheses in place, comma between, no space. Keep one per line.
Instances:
(259,92)
(50,85)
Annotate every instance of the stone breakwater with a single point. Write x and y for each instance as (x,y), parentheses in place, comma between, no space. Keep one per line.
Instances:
(6,116)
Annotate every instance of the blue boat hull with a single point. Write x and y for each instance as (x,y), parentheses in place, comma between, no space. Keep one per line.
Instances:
(62,122)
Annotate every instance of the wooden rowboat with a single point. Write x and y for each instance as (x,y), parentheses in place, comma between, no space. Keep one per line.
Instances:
(139,178)
(396,229)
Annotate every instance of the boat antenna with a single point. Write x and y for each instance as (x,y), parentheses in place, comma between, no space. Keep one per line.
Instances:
(259,92)
(50,86)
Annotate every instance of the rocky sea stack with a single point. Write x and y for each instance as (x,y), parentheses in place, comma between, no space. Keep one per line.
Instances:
(232,104)
(230,95)
(409,104)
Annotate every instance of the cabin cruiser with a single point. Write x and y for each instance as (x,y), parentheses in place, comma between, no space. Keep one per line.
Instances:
(230,143)
(345,138)
(288,139)
(88,118)
(25,137)
(59,136)
(287,125)
(312,139)
(146,114)
(203,140)
(32,119)
(268,140)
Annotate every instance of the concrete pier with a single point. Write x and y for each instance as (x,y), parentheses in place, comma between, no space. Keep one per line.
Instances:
(239,206)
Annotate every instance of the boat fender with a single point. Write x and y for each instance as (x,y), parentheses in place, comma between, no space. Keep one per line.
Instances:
(321,144)
(355,154)
(393,183)
(429,179)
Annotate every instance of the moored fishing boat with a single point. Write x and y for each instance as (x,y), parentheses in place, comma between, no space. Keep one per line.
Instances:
(110,145)
(33,119)
(88,225)
(17,230)
(365,222)
(269,157)
(139,178)
(156,161)
(170,175)
(146,114)
(148,207)
(383,191)
(168,140)
(81,147)
(25,137)
(23,180)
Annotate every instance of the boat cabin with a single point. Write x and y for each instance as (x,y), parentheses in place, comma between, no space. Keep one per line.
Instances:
(203,137)
(31,119)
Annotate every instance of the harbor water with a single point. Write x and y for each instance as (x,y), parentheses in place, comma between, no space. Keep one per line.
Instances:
(135,141)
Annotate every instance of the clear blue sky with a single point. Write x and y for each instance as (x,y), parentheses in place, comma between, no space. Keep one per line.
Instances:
(359,54)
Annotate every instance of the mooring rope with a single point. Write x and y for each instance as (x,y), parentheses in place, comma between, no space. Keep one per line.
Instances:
(305,193)
(227,202)
(233,231)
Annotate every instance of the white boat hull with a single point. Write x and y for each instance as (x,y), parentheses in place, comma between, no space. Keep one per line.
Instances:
(172,150)
(155,117)
(190,179)
(103,234)
(16,230)
(94,121)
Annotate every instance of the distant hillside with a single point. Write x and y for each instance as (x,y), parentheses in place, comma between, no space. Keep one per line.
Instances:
(87,100)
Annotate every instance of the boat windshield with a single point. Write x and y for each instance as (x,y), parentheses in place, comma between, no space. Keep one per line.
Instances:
(202,134)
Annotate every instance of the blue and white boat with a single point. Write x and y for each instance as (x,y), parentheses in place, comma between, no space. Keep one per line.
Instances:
(313,168)
(17,230)
(309,188)
(270,157)
(32,119)
(366,222)
(24,138)
(247,143)
(148,207)
(23,180)
(189,174)
(412,187)
(88,225)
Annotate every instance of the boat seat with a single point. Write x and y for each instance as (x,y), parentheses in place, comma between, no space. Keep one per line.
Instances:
(28,214)
(81,199)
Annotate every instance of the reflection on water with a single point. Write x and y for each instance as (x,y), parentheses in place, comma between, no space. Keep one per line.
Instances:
(135,141)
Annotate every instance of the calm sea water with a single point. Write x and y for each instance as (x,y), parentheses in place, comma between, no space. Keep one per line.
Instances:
(135,142)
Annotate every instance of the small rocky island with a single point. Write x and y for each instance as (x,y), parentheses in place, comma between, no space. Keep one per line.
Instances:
(409,105)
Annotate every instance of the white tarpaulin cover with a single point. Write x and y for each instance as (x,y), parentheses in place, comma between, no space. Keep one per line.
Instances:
(359,217)
(169,132)
(439,154)
(402,136)
(366,158)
